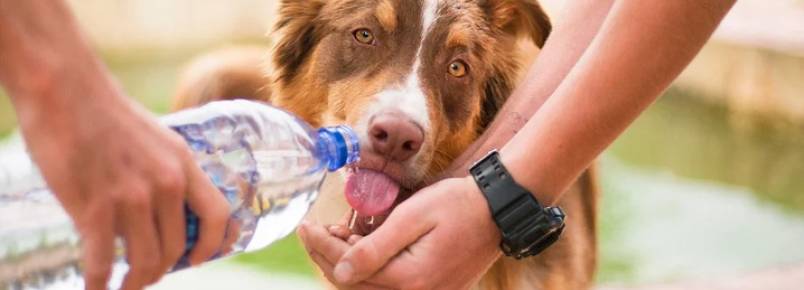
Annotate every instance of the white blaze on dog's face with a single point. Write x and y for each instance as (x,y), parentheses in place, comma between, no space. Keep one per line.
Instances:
(396,119)
(417,79)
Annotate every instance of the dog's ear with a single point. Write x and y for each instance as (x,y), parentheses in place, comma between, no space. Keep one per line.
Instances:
(519,17)
(515,18)
(297,30)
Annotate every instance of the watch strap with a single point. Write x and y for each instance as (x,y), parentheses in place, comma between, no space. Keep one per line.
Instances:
(527,228)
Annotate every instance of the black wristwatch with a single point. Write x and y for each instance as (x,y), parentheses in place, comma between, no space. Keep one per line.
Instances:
(527,228)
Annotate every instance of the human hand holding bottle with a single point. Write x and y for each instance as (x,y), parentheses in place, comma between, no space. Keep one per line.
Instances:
(115,170)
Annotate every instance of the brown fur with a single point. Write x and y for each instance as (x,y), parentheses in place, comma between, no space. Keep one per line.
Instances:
(318,75)
(226,74)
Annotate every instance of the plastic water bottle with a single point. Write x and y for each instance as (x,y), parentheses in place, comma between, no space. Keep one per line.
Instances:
(267,163)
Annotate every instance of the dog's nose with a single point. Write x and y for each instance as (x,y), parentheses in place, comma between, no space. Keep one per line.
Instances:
(395,136)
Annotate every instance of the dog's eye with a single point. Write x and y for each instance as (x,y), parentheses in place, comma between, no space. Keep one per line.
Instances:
(457,68)
(364,36)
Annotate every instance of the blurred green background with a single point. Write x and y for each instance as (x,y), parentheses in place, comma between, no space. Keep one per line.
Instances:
(706,183)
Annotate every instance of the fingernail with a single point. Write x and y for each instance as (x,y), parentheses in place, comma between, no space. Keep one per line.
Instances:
(343,272)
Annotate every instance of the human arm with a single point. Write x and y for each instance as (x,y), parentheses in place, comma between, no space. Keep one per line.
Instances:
(116,172)
(578,24)
(639,50)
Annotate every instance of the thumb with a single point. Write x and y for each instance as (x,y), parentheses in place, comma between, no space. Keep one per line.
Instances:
(371,253)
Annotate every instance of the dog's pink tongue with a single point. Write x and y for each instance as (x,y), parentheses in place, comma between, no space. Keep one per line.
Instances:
(370,192)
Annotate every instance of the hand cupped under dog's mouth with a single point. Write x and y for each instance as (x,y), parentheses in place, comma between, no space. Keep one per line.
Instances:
(373,189)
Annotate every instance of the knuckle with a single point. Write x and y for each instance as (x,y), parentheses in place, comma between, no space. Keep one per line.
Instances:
(174,251)
(182,151)
(96,275)
(170,256)
(134,198)
(171,181)
(214,211)
(205,251)
(176,140)
(365,253)
(145,267)
(221,213)
(417,283)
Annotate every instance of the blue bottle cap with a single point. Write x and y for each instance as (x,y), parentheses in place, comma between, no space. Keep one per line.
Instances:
(339,146)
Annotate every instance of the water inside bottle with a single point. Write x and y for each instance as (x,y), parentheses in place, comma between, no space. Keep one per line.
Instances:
(265,164)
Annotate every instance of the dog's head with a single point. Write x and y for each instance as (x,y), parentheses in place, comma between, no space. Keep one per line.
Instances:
(418,80)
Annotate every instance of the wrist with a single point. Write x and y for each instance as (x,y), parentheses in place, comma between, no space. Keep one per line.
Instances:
(480,205)
(45,56)
(527,227)
(64,100)
(530,177)
(496,135)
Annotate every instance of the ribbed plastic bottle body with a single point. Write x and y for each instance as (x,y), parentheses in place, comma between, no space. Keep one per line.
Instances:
(268,164)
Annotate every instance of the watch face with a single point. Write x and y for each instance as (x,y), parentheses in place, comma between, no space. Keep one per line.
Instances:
(543,235)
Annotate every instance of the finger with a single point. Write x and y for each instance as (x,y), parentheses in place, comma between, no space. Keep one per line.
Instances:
(97,236)
(317,239)
(326,267)
(232,235)
(301,233)
(353,239)
(339,231)
(212,210)
(372,252)
(346,218)
(137,224)
(400,272)
(172,229)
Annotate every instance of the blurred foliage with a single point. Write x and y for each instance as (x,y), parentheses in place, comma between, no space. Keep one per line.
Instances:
(691,139)
(285,256)
(8,119)
(615,263)
(681,137)
(151,81)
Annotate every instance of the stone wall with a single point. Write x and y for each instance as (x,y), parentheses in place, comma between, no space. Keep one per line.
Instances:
(754,64)
(748,80)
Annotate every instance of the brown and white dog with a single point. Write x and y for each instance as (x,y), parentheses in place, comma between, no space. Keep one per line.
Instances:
(419,80)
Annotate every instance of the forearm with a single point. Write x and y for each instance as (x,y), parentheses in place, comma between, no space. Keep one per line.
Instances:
(580,21)
(51,74)
(41,48)
(641,48)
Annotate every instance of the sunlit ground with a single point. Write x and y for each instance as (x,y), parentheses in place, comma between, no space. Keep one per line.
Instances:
(686,194)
